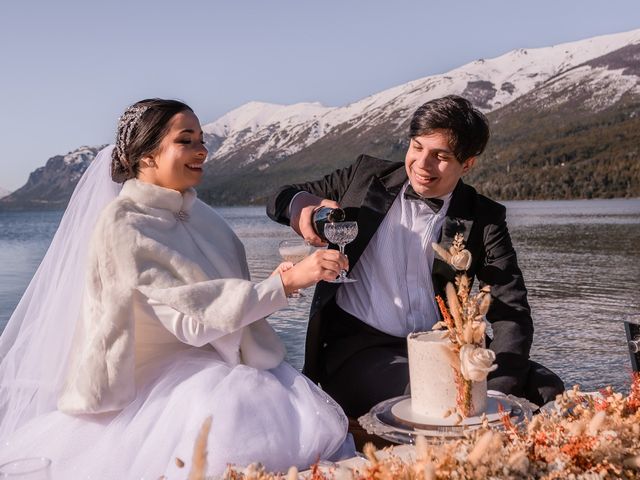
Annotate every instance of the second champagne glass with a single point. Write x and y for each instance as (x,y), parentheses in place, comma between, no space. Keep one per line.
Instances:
(294,251)
(341,233)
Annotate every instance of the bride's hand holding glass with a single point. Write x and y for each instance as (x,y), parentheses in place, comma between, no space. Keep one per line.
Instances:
(283,267)
(320,265)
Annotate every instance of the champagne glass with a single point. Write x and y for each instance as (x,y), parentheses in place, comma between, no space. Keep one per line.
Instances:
(341,233)
(294,251)
(36,468)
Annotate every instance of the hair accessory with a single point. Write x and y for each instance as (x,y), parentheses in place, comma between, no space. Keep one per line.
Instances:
(126,123)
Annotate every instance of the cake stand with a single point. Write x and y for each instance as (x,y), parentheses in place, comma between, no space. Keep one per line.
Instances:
(393,419)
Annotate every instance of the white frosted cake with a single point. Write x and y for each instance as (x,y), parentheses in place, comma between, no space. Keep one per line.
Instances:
(432,376)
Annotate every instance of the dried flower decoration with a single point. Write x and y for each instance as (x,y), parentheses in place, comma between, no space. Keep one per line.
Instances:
(464,319)
(457,256)
(606,445)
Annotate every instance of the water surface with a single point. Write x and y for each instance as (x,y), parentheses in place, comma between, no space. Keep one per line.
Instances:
(580,261)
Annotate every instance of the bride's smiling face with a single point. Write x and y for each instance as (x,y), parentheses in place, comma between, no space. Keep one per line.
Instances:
(178,161)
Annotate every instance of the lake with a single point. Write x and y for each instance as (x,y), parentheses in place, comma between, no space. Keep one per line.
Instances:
(581,263)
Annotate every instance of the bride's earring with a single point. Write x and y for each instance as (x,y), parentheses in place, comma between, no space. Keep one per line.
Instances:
(151,163)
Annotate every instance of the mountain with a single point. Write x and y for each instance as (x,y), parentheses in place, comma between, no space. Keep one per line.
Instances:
(50,187)
(564,124)
(4,192)
(577,93)
(259,131)
(577,136)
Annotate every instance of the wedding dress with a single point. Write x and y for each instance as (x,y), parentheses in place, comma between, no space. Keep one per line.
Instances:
(152,326)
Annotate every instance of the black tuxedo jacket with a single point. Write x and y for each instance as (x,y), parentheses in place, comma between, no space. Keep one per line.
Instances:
(366,191)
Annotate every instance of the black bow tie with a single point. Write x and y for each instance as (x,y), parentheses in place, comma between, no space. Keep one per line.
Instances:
(434,203)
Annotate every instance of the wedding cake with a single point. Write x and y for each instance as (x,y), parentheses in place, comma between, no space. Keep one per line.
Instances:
(434,388)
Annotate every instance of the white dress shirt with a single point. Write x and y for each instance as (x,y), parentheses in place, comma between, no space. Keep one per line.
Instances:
(394,289)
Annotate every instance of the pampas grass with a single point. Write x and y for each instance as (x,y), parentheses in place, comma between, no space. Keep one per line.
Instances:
(199,462)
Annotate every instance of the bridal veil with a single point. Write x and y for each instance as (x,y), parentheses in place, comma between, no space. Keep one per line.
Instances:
(35,344)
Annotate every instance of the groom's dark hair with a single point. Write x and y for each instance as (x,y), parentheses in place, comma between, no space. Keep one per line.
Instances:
(468,128)
(141,128)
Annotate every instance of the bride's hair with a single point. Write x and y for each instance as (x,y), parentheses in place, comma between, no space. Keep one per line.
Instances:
(140,131)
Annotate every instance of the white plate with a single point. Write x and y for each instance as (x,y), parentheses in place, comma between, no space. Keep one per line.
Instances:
(402,411)
(382,422)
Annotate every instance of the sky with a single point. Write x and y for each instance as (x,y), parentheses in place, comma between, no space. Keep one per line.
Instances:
(69,68)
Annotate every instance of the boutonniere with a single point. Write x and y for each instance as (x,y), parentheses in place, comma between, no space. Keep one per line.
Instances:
(463,317)
(457,256)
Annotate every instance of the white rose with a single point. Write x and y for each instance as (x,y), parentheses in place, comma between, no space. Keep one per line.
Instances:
(476,362)
(461,260)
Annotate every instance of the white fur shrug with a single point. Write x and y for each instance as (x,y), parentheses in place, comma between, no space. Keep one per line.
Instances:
(139,246)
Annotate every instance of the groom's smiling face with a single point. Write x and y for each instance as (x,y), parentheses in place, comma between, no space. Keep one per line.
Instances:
(432,166)
(178,161)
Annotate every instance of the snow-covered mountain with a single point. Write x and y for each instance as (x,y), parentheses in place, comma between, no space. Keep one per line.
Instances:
(271,132)
(580,99)
(51,186)
(4,192)
(598,83)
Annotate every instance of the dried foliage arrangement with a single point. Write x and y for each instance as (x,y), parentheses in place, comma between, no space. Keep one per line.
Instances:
(585,437)
(464,320)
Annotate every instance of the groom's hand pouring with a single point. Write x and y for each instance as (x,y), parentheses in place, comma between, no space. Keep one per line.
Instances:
(301,216)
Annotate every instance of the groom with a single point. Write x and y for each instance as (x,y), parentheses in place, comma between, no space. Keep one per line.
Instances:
(356,340)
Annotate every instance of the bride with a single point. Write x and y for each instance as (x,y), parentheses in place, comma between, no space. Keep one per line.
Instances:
(141,322)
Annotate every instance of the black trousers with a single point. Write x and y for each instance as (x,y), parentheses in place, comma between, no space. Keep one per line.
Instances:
(364,366)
